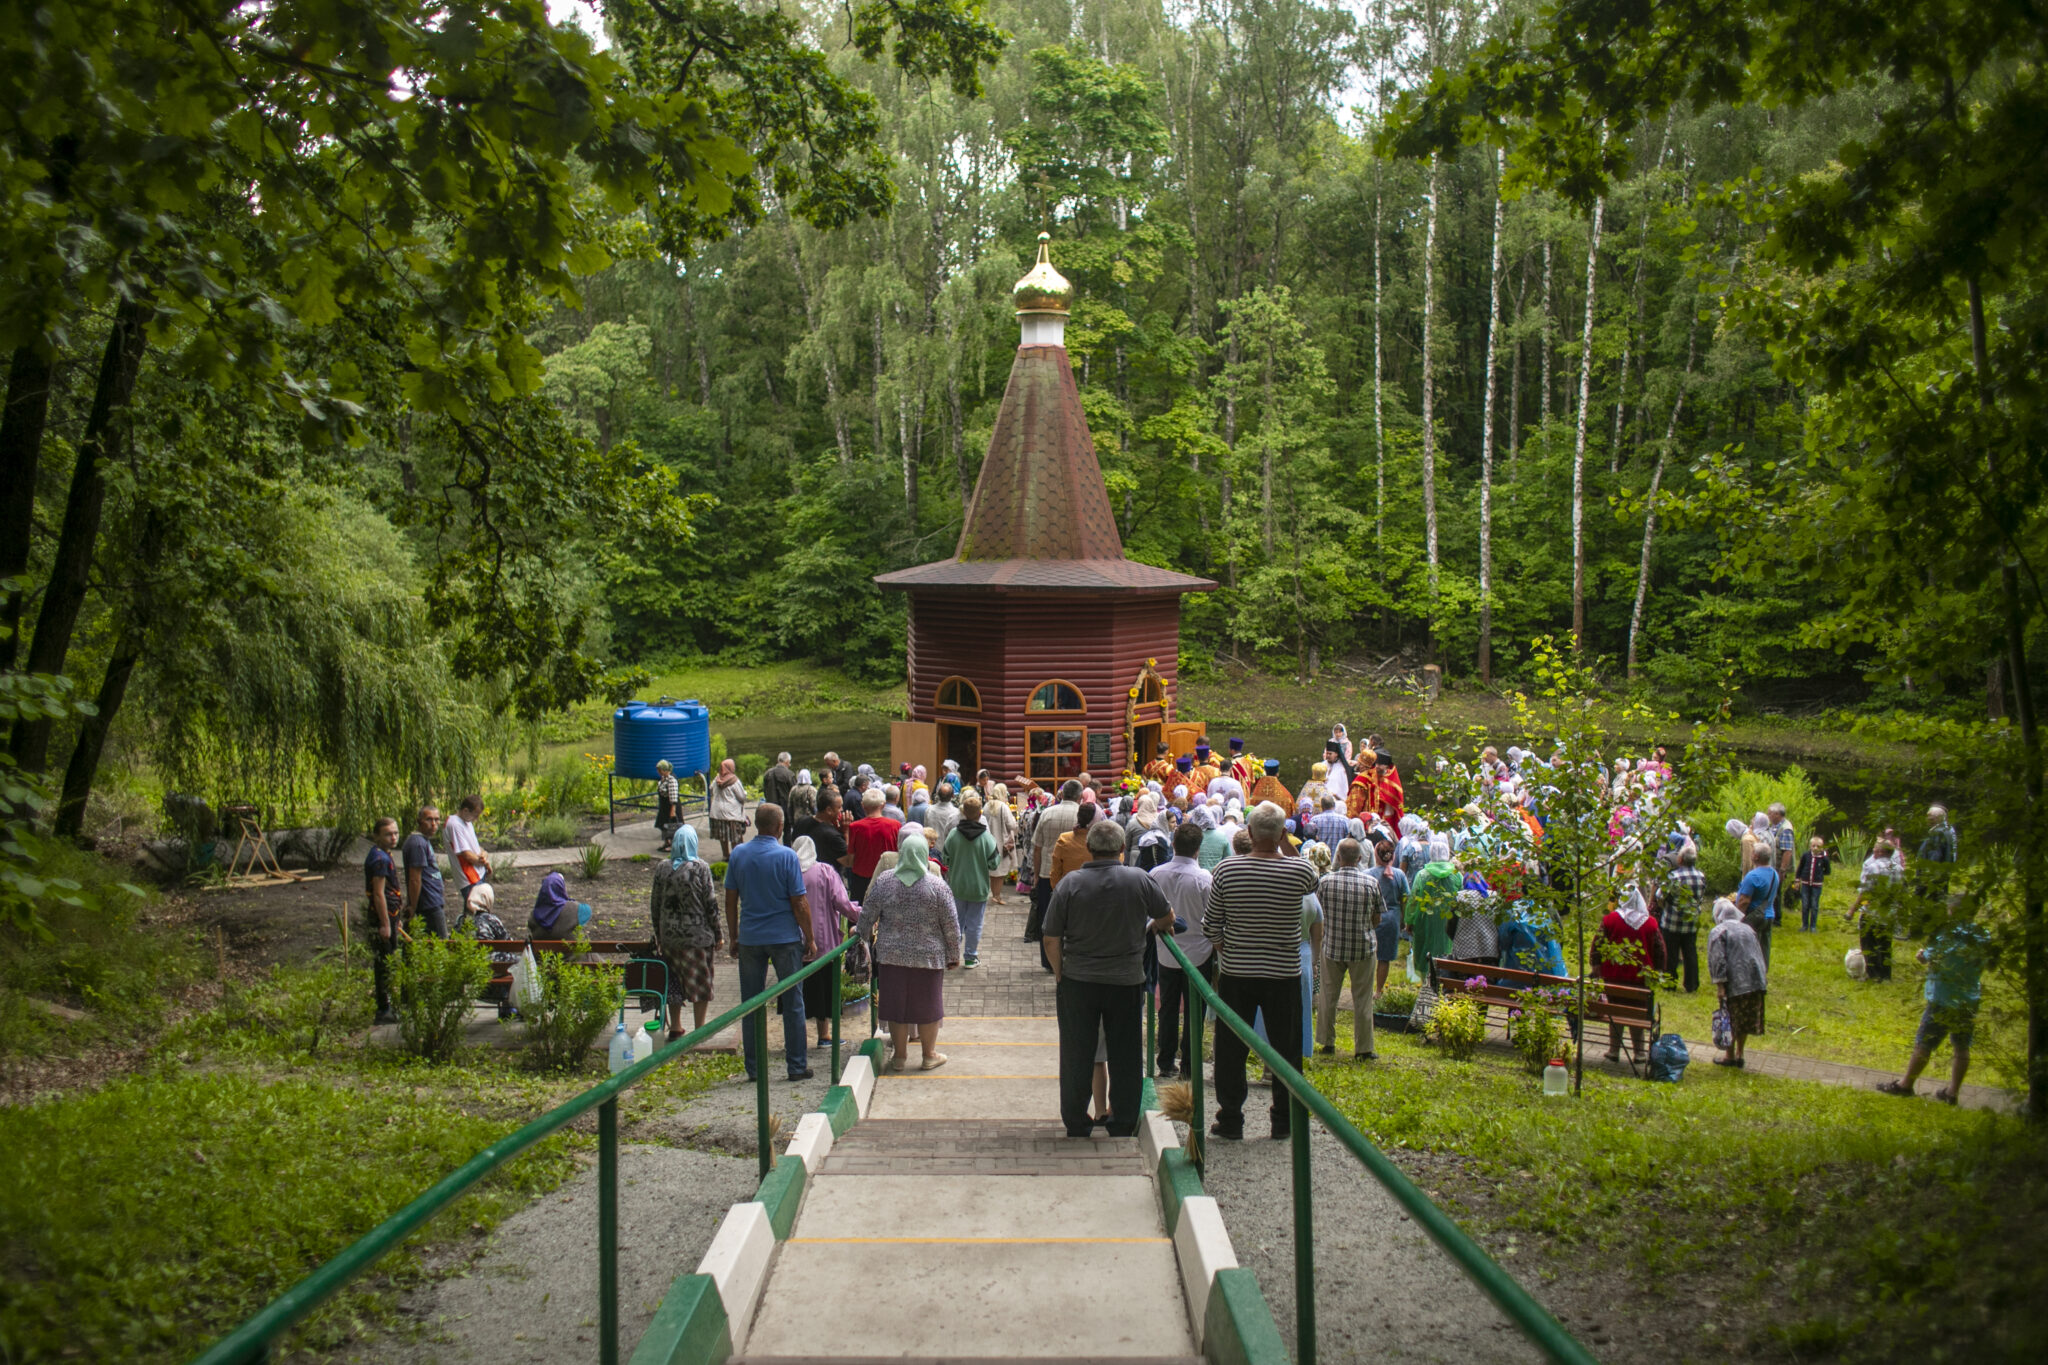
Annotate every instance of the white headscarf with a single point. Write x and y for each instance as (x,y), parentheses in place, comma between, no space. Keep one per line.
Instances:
(1634,909)
(803,777)
(806,851)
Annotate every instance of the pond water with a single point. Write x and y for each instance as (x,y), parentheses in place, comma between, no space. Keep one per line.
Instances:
(1860,796)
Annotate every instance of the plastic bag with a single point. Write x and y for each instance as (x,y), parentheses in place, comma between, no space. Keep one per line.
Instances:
(526,981)
(1668,1058)
(1853,963)
(1724,1030)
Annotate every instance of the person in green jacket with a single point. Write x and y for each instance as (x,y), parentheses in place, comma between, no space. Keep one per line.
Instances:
(970,854)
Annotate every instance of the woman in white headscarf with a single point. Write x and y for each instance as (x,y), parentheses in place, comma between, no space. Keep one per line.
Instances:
(1736,966)
(830,910)
(1631,942)
(909,918)
(1002,827)
(803,801)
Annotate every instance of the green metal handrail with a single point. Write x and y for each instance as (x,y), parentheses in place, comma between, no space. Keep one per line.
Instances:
(1303,1099)
(250,1342)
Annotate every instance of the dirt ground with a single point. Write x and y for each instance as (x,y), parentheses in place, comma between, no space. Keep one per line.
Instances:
(291,923)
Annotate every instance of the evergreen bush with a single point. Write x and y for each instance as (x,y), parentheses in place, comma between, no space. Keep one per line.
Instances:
(576,1003)
(1459,1026)
(434,985)
(1744,794)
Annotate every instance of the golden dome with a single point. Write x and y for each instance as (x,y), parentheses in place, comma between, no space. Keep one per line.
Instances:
(1043,290)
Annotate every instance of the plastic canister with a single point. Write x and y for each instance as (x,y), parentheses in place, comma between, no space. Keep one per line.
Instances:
(621,1050)
(648,1042)
(1557,1079)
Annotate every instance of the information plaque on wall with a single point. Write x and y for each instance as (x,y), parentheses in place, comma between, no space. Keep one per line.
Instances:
(1099,752)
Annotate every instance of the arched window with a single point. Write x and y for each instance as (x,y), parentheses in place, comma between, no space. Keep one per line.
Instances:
(1150,689)
(1056,698)
(958,694)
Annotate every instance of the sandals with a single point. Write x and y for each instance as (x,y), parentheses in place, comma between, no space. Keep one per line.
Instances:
(1944,1096)
(897,1062)
(1614,1056)
(1894,1088)
(933,1062)
(1729,1061)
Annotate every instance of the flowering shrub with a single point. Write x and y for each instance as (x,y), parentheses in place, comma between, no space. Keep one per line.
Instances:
(1458,1026)
(1535,1035)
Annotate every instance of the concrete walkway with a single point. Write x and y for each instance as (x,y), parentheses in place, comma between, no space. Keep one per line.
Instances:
(957,1221)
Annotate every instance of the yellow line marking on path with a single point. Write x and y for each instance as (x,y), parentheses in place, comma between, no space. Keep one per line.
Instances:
(978,1241)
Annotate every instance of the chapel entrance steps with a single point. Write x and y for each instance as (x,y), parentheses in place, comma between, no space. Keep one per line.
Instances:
(965,1360)
(956,1222)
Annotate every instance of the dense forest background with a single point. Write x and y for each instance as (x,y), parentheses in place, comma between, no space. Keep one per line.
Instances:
(436,442)
(1266,310)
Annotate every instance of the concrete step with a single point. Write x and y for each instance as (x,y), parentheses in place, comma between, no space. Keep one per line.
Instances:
(951,1299)
(881,1147)
(752,1359)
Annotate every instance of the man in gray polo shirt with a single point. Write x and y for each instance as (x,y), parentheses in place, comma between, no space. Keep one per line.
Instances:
(1095,940)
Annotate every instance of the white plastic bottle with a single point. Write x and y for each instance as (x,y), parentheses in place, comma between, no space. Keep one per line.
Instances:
(645,1043)
(1557,1078)
(621,1048)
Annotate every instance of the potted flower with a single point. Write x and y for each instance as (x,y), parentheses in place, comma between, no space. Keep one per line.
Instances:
(1394,1006)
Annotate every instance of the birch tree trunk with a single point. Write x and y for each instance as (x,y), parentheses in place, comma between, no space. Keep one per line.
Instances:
(833,402)
(1547,333)
(1486,441)
(1579,449)
(1379,426)
(1429,396)
(1635,620)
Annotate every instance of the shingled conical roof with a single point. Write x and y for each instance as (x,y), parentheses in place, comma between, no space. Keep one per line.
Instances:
(1040,495)
(1040,516)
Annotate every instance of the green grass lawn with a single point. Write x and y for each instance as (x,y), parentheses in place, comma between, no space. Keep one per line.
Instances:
(1817,1010)
(736,692)
(1831,1221)
(140,1221)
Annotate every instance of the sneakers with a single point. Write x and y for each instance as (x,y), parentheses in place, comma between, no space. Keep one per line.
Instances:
(971,962)
(803,1075)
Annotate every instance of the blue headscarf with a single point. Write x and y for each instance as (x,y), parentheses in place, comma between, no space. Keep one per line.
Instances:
(683,848)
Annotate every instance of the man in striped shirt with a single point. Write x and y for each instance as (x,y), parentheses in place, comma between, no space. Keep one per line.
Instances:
(1254,919)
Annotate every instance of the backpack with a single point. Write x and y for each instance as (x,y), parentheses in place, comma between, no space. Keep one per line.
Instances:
(1668,1058)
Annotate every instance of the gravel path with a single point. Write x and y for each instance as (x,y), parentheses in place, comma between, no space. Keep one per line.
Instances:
(1383,1289)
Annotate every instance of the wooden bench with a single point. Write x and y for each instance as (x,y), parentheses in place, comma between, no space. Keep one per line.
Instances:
(1632,1007)
(642,977)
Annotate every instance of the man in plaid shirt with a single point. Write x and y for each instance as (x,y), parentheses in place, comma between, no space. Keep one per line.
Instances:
(1351,917)
(1678,911)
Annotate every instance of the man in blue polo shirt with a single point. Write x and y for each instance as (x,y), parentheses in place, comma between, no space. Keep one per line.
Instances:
(769,919)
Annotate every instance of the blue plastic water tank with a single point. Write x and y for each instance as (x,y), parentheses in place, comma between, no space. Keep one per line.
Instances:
(643,735)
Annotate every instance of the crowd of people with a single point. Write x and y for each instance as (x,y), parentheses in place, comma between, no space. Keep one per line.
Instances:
(1278,898)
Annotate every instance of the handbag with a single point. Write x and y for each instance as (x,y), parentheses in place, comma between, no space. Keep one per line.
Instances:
(526,990)
(1724,1030)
